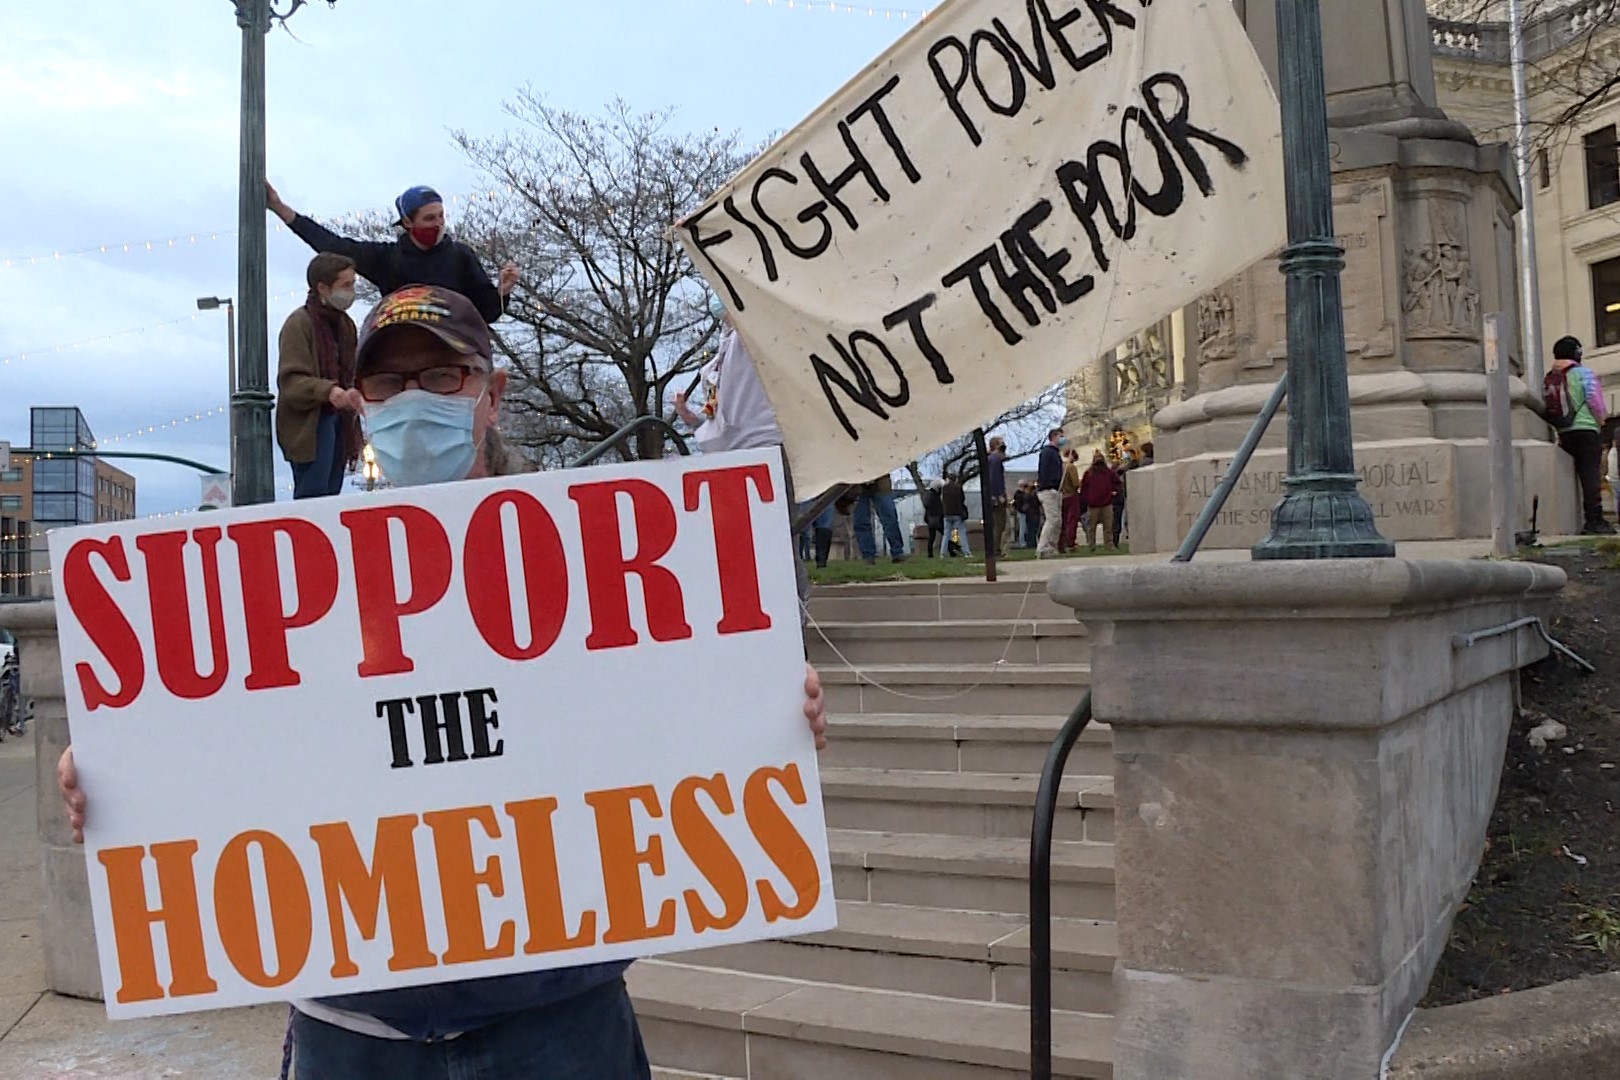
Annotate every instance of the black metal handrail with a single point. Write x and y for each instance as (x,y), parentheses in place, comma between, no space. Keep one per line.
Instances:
(1057,759)
(597,452)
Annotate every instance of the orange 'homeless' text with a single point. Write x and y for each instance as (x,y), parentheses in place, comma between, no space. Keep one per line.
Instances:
(356,887)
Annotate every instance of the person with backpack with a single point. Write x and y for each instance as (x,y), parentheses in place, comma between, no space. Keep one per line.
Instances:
(1572,402)
(933,510)
(954,502)
(423,254)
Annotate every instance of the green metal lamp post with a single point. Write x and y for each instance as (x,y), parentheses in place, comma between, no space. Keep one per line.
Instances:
(251,443)
(1322,515)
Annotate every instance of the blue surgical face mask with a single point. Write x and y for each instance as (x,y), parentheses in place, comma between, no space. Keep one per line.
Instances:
(423,438)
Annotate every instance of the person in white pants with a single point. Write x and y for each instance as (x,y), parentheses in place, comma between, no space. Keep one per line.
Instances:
(1048,486)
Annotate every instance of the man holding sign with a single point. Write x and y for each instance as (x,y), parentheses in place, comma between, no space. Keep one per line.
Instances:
(432,399)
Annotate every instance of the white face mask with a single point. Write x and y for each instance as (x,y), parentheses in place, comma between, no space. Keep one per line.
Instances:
(340,299)
(423,438)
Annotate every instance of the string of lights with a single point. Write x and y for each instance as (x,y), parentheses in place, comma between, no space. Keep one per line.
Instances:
(24,574)
(869,10)
(102,339)
(82,343)
(207,236)
(175,422)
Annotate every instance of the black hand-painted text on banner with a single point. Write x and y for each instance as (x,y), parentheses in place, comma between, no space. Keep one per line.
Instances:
(1014,187)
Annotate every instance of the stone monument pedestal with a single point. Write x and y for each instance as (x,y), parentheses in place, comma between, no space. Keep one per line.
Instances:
(1421,485)
(1425,217)
(1306,759)
(71,966)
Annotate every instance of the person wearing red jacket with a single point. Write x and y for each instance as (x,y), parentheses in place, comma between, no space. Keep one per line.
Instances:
(1097,490)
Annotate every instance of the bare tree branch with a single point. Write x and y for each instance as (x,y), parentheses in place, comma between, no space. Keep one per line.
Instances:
(1024,428)
(1572,50)
(609,314)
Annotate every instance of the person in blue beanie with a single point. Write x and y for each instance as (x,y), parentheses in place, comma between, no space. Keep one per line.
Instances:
(423,254)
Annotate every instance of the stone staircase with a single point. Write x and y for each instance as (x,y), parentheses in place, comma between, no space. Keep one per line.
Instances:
(929,784)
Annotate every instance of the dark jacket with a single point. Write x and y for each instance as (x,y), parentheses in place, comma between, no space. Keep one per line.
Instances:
(933,508)
(1049,473)
(431,1012)
(449,264)
(1124,484)
(1098,486)
(995,479)
(955,500)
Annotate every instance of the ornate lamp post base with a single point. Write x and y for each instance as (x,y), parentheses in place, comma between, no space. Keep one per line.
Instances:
(1323,516)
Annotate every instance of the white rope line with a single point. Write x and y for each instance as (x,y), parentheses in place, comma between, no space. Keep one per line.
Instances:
(861,675)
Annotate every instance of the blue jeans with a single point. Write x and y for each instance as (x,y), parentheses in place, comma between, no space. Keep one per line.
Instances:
(592,1036)
(883,503)
(324,475)
(959,526)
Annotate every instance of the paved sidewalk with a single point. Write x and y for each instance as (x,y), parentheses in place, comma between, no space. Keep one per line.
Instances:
(46,1037)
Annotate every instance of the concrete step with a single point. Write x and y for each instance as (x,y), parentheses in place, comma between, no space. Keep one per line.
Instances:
(990,690)
(934,601)
(971,955)
(964,804)
(726,1023)
(974,642)
(968,873)
(955,743)
(682,1074)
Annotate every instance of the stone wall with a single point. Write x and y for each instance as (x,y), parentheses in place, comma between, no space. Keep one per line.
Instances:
(71,966)
(1306,760)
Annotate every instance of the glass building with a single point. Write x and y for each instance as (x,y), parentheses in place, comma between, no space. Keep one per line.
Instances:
(64,488)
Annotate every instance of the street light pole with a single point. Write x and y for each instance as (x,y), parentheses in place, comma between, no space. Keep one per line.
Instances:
(1529,274)
(214,303)
(1323,515)
(253,479)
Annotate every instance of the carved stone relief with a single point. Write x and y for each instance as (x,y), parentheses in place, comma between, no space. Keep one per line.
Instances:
(1142,366)
(1217,325)
(1439,295)
(1361,225)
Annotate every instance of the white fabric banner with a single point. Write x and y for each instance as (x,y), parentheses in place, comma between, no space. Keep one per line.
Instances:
(1015,187)
(441,733)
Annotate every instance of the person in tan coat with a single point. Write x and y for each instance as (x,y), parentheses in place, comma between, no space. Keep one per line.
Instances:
(317,407)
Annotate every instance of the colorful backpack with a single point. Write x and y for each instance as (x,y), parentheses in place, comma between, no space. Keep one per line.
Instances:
(1555,403)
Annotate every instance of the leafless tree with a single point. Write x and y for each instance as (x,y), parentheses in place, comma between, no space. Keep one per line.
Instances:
(610,318)
(1024,428)
(1572,49)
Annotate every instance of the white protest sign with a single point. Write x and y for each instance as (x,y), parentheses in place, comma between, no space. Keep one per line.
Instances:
(216,492)
(441,733)
(1015,187)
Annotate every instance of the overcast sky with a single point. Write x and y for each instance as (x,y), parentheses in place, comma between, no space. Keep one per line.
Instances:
(118,123)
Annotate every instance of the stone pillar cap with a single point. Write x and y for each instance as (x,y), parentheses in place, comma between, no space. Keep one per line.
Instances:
(1273,590)
(34,613)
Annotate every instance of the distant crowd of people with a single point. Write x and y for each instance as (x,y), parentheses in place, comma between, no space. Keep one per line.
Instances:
(1045,515)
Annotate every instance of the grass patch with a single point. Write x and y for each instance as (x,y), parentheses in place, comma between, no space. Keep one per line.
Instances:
(1599,929)
(922,568)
